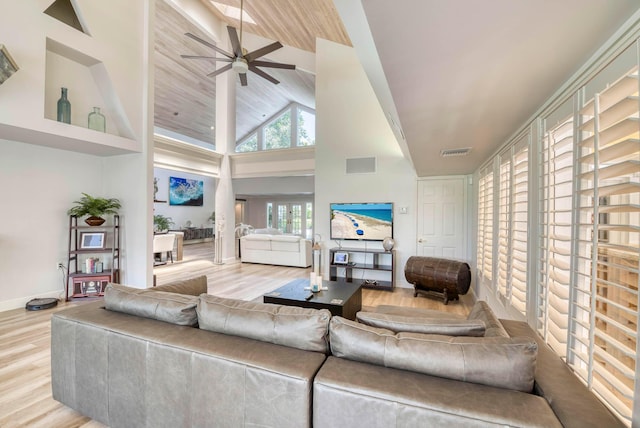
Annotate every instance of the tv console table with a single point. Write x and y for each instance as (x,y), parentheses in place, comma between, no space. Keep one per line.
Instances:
(367,260)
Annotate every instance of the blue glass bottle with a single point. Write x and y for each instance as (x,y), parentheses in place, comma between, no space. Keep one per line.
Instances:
(64,108)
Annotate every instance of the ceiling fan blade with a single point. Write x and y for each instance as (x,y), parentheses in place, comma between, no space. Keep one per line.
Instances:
(273,64)
(235,42)
(215,58)
(204,42)
(263,74)
(251,56)
(243,79)
(219,71)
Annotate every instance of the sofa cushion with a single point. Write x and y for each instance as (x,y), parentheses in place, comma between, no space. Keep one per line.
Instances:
(503,362)
(415,312)
(165,306)
(192,286)
(427,325)
(301,328)
(286,238)
(482,311)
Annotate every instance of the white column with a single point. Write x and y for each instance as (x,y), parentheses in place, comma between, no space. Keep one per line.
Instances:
(225,144)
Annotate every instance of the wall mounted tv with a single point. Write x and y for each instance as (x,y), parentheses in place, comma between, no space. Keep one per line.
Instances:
(361,221)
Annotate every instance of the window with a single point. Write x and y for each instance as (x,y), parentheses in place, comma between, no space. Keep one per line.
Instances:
(504,226)
(556,195)
(294,126)
(277,134)
(248,145)
(306,128)
(485,224)
(586,245)
(603,336)
(520,225)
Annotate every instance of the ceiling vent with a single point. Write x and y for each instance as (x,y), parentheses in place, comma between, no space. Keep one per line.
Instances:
(455,152)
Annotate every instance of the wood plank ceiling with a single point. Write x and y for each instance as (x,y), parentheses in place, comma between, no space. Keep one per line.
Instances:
(185,96)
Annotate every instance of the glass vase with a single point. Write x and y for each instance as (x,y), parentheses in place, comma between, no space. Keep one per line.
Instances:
(64,107)
(97,121)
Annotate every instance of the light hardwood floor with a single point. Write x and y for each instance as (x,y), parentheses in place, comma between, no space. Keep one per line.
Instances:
(25,374)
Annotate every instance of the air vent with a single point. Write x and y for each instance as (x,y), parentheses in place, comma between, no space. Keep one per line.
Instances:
(455,152)
(361,165)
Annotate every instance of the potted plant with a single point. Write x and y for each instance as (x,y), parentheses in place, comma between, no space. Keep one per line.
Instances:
(161,223)
(95,208)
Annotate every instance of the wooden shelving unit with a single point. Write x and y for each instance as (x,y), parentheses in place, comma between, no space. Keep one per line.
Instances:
(92,284)
(368,260)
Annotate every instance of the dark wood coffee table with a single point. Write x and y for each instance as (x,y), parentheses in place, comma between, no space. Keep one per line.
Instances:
(342,298)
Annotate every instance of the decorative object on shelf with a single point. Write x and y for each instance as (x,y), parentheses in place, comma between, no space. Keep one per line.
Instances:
(92,240)
(388,243)
(217,255)
(7,65)
(317,254)
(186,192)
(161,223)
(212,217)
(94,208)
(97,121)
(64,107)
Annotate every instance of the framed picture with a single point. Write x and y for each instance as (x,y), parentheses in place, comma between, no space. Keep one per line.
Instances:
(340,258)
(92,240)
(186,192)
(7,65)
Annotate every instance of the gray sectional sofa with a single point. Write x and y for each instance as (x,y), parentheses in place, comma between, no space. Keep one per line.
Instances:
(174,356)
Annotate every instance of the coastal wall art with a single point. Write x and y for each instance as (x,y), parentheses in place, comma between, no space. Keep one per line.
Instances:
(186,192)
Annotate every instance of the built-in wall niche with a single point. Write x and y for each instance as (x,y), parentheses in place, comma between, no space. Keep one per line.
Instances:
(88,84)
(63,11)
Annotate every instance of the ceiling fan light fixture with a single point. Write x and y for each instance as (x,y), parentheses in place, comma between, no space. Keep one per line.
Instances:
(240,66)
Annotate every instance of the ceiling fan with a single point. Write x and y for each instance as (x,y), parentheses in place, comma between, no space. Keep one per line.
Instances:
(240,60)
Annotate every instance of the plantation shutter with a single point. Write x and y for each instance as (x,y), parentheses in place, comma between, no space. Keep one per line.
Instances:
(556,193)
(504,226)
(605,300)
(481,226)
(520,225)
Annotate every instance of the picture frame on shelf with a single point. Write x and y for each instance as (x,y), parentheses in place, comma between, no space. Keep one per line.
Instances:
(340,258)
(92,240)
(7,65)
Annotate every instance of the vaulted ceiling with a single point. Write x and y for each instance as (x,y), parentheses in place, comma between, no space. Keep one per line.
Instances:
(185,96)
(448,74)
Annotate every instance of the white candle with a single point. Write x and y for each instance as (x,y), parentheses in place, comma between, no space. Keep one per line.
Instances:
(319,281)
(312,279)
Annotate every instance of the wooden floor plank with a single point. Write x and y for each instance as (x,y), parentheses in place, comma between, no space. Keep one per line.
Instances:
(25,358)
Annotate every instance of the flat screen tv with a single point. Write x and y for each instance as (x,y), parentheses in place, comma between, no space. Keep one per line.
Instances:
(361,221)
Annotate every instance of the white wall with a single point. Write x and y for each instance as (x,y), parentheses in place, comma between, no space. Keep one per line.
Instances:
(39,185)
(42,179)
(179,214)
(351,124)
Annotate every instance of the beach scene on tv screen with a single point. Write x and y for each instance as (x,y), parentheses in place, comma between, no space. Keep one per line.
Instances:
(361,221)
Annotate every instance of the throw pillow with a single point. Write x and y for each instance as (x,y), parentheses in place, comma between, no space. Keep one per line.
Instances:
(482,311)
(301,328)
(498,361)
(165,306)
(193,286)
(427,325)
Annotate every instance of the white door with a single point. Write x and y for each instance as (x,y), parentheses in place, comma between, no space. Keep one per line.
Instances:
(442,218)
(290,218)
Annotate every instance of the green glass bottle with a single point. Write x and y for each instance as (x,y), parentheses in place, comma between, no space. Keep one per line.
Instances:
(64,108)
(97,120)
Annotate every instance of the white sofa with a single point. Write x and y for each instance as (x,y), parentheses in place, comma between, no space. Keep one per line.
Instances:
(284,250)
